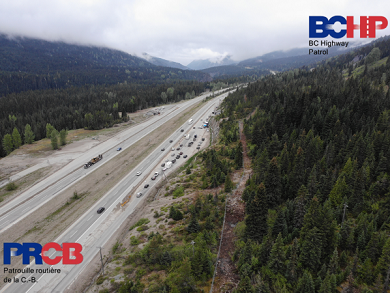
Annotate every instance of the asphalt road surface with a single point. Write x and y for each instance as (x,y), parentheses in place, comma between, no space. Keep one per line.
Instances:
(93,230)
(39,194)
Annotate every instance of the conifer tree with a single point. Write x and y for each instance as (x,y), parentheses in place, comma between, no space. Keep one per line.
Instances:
(292,266)
(273,184)
(311,250)
(277,256)
(334,263)
(228,184)
(384,260)
(63,134)
(305,284)
(256,220)
(193,226)
(54,139)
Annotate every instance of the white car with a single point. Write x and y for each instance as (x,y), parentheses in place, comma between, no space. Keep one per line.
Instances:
(139,173)
(173,155)
(139,194)
(164,169)
(156,174)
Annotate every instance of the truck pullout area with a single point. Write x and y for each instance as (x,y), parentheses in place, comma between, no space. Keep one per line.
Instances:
(53,218)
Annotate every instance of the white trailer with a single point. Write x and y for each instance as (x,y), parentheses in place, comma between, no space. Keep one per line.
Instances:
(168,165)
(187,136)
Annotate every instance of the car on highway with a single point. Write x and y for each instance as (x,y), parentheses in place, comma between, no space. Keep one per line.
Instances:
(182,130)
(178,157)
(180,153)
(203,138)
(146,186)
(164,169)
(181,145)
(154,178)
(178,149)
(119,149)
(156,174)
(172,149)
(162,149)
(139,173)
(193,128)
(101,210)
(139,194)
(185,156)
(173,161)
(173,155)
(195,136)
(163,165)
(171,141)
(198,147)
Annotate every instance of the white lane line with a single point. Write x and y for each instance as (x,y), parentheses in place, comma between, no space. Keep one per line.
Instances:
(72,234)
(24,210)
(4,223)
(90,218)
(3,218)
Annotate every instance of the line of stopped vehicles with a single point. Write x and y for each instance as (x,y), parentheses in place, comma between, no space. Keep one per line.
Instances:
(168,163)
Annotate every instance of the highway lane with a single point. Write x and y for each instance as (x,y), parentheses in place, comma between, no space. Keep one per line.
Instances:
(23,205)
(88,229)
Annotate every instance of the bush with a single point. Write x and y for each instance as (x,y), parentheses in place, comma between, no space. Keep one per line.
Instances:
(11,186)
(140,223)
(134,241)
(143,228)
(100,280)
(178,192)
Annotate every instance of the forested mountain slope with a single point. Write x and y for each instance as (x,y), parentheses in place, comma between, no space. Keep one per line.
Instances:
(318,203)
(31,64)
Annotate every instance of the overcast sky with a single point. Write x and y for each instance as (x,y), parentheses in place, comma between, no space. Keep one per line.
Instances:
(180,30)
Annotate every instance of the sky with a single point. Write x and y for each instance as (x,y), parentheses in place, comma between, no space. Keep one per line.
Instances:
(180,30)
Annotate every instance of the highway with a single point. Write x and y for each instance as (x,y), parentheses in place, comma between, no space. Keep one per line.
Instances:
(39,194)
(93,230)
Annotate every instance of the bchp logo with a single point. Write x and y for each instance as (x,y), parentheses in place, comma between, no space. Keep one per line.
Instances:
(320,26)
(39,253)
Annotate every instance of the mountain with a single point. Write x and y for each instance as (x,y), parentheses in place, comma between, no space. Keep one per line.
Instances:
(32,64)
(162,62)
(211,62)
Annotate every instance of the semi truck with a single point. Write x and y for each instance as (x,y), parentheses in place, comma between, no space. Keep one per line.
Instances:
(187,136)
(168,165)
(93,161)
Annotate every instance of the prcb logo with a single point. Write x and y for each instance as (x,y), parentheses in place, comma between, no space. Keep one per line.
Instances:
(38,252)
(368,26)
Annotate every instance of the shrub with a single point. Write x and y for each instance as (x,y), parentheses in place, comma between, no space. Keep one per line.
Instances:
(11,186)
(140,223)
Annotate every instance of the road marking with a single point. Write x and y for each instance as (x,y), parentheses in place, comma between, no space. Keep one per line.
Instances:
(4,223)
(90,218)
(73,234)
(25,210)
(3,218)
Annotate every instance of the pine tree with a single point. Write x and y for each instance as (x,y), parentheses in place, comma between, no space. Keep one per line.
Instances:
(28,134)
(311,250)
(384,260)
(228,184)
(334,263)
(339,191)
(256,220)
(280,224)
(277,257)
(49,129)
(245,285)
(8,144)
(305,284)
(16,139)
(193,226)
(238,159)
(292,266)
(273,184)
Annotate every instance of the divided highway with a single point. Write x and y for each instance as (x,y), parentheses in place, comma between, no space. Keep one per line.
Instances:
(93,230)
(48,188)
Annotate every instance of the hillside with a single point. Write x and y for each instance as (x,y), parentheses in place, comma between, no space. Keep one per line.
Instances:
(162,62)
(31,64)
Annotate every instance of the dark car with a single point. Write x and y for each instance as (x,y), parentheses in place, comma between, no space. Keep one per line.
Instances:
(119,149)
(195,136)
(162,149)
(171,141)
(203,139)
(178,149)
(177,157)
(163,165)
(154,177)
(182,130)
(146,186)
(180,153)
(193,128)
(173,161)
(181,145)
(198,148)
(101,210)
(185,156)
